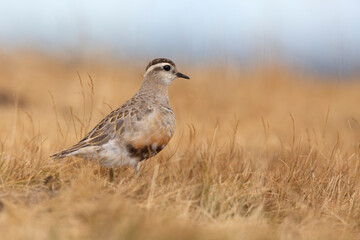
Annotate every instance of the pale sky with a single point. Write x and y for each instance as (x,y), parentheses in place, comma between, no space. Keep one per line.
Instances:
(320,33)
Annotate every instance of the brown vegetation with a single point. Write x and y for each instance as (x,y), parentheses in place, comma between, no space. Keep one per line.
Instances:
(258,154)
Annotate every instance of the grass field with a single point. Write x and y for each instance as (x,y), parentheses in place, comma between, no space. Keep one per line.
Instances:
(260,153)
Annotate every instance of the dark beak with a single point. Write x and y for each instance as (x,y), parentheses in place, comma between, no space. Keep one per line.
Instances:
(180,75)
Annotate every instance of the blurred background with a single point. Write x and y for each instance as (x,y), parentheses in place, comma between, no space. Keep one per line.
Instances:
(318,36)
(267,142)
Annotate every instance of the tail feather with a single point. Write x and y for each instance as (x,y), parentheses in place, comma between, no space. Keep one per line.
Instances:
(60,155)
(64,153)
(68,152)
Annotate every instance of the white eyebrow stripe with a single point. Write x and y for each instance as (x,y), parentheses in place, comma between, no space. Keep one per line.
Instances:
(157,65)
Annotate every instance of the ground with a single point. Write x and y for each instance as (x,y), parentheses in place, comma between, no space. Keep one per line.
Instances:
(261,152)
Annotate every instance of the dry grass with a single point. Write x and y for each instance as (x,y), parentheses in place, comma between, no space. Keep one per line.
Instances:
(261,154)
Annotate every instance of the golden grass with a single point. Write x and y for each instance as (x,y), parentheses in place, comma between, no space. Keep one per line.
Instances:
(258,154)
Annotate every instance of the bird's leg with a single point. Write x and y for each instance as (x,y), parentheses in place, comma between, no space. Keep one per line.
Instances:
(136,168)
(111,174)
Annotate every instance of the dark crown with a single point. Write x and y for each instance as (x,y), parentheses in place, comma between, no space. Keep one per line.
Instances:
(159,60)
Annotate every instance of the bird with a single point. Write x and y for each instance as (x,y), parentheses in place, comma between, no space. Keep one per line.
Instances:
(137,130)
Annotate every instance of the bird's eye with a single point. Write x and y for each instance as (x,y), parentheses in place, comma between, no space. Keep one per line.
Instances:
(167,67)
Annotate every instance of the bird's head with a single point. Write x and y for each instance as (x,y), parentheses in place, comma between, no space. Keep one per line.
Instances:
(162,71)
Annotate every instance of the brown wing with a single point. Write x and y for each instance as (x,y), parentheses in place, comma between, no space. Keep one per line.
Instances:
(111,125)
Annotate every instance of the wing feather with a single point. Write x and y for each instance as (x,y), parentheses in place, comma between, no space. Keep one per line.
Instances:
(112,125)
